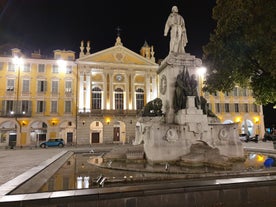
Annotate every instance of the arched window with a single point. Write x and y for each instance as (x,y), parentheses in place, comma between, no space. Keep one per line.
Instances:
(139,98)
(96,98)
(119,99)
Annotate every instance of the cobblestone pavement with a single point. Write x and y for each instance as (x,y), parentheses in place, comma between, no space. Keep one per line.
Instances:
(14,162)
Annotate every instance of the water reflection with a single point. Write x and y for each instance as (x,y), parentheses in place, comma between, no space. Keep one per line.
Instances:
(81,172)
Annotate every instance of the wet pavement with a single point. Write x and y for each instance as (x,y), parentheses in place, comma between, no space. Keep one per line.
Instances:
(14,162)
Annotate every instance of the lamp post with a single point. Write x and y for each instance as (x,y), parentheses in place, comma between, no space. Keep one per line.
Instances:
(201,73)
(18,61)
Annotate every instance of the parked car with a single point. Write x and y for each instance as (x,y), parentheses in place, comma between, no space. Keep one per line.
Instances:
(269,137)
(52,143)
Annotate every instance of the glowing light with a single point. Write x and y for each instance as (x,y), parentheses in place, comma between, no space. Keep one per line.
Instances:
(260,158)
(62,65)
(238,119)
(79,182)
(252,156)
(86,182)
(107,120)
(201,71)
(18,61)
(256,120)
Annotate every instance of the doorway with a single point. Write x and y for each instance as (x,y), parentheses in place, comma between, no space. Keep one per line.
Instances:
(12,140)
(116,134)
(69,137)
(95,137)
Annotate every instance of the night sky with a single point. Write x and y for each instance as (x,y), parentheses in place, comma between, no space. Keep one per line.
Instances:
(61,24)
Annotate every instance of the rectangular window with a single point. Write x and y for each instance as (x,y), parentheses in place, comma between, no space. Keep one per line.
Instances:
(41,68)
(255,108)
(27,67)
(9,106)
(217,107)
(68,107)
(10,85)
(246,108)
(69,69)
(26,86)
(235,91)
(55,69)
(70,57)
(139,101)
(68,86)
(96,99)
(11,67)
(244,92)
(57,57)
(25,106)
(40,106)
(227,108)
(41,86)
(54,105)
(1,65)
(54,86)
(236,105)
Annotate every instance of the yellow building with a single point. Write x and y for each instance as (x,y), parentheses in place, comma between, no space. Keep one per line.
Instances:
(239,107)
(38,98)
(94,99)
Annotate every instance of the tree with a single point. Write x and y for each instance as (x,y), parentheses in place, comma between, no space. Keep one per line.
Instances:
(242,49)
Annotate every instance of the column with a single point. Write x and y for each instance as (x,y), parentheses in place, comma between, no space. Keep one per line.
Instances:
(88,92)
(81,95)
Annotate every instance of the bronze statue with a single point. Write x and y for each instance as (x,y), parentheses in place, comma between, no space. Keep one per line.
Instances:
(152,108)
(185,86)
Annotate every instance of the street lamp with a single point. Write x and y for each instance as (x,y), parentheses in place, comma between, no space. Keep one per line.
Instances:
(62,65)
(201,71)
(18,62)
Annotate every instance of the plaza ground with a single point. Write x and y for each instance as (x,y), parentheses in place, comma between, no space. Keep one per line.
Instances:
(14,162)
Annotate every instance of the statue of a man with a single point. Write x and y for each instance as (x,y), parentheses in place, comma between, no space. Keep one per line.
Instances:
(176,24)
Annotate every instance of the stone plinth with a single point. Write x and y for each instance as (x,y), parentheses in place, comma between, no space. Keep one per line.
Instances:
(170,67)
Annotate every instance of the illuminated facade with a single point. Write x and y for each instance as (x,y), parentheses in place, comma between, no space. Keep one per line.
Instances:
(38,98)
(238,107)
(114,84)
(95,98)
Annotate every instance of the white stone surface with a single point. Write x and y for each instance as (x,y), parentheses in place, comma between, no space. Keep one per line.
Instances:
(170,138)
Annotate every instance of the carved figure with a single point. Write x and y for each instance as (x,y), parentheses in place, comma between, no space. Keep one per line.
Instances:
(153,108)
(185,86)
(175,23)
(179,101)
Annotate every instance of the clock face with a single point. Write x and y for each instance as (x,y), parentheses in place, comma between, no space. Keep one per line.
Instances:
(119,77)
(163,84)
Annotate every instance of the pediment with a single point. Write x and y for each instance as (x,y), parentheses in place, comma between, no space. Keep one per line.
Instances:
(117,55)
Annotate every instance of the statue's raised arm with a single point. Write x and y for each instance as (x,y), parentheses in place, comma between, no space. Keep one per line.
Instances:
(176,24)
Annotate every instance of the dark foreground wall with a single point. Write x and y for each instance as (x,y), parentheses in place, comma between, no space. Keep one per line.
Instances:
(233,192)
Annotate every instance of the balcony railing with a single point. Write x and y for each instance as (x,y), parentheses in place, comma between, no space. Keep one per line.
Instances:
(15,114)
(108,112)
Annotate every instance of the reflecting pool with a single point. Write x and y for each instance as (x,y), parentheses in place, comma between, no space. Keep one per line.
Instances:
(87,170)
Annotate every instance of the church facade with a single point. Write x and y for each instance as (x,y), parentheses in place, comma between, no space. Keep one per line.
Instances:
(114,85)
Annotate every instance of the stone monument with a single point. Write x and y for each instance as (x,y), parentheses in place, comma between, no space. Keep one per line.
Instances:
(181,132)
